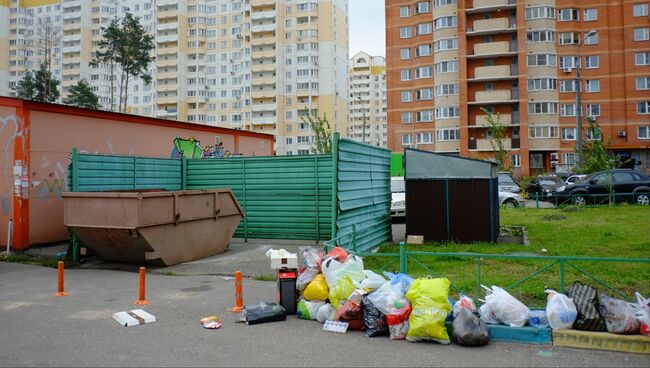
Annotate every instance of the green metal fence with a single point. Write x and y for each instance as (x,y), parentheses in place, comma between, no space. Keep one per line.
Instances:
(584,199)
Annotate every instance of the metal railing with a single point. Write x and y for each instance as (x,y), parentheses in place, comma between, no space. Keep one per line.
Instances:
(584,199)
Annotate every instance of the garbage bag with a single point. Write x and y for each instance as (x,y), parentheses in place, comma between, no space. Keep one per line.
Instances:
(310,257)
(488,315)
(262,313)
(506,308)
(340,292)
(374,319)
(326,312)
(585,297)
(450,315)
(351,313)
(642,315)
(317,289)
(372,281)
(464,302)
(308,310)
(401,281)
(618,315)
(560,310)
(334,270)
(468,330)
(428,297)
(398,324)
(388,300)
(337,253)
(305,277)
(538,319)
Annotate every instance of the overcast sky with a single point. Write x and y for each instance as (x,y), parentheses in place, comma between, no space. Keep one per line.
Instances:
(367,31)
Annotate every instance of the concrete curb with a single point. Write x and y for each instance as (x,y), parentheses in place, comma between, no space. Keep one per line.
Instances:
(638,344)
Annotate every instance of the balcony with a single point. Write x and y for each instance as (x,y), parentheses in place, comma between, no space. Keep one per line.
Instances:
(494,49)
(167,14)
(485,6)
(164,39)
(482,121)
(167,51)
(486,145)
(270,93)
(71,15)
(161,3)
(166,113)
(71,37)
(544,144)
(70,4)
(162,63)
(493,97)
(166,75)
(262,41)
(266,27)
(447,146)
(71,49)
(71,26)
(263,67)
(263,120)
(264,54)
(264,107)
(492,26)
(161,88)
(167,26)
(259,3)
(263,81)
(492,73)
(167,100)
(269,14)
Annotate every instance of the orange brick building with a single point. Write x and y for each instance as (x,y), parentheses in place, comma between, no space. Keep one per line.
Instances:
(450,63)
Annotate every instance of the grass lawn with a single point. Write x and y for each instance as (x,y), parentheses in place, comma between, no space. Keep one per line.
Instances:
(615,232)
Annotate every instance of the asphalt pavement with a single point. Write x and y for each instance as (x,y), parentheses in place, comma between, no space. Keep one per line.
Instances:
(38,329)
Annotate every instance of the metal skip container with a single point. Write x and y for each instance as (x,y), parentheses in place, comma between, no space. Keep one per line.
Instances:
(156,227)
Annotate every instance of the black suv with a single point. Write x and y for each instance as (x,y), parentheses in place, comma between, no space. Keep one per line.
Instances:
(621,184)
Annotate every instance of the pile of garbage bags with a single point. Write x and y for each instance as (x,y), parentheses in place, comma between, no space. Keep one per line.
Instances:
(336,287)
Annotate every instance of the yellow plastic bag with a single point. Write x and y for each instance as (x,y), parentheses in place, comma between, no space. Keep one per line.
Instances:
(430,309)
(341,291)
(317,289)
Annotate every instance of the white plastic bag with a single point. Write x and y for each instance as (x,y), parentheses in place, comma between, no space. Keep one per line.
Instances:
(506,308)
(618,315)
(561,312)
(334,270)
(372,281)
(326,312)
(487,315)
(388,300)
(463,302)
(642,314)
(305,278)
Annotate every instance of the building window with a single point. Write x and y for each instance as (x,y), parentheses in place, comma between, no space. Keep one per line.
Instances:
(569,159)
(568,134)
(568,15)
(592,85)
(406,96)
(443,135)
(593,110)
(446,22)
(425,116)
(540,12)
(640,10)
(423,138)
(446,66)
(642,58)
(439,3)
(591,14)
(423,72)
(446,89)
(643,132)
(542,84)
(407,117)
(515,160)
(592,39)
(405,32)
(406,74)
(423,50)
(568,85)
(445,44)
(569,38)
(447,112)
(405,53)
(642,83)
(539,132)
(404,11)
(422,7)
(641,34)
(569,62)
(423,28)
(643,108)
(592,61)
(424,94)
(594,134)
(542,60)
(568,110)
(407,139)
(538,108)
(541,36)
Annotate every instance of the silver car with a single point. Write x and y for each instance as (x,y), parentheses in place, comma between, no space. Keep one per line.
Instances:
(398,197)
(510,199)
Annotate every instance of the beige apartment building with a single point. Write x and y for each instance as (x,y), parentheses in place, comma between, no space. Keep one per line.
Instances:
(257,65)
(450,63)
(368,99)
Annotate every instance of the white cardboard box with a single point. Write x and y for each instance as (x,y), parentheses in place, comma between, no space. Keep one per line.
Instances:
(133,318)
(290,261)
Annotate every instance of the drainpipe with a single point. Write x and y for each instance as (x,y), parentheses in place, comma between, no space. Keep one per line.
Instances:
(10,228)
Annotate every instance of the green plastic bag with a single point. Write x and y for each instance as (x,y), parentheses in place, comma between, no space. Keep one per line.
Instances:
(317,289)
(430,309)
(341,291)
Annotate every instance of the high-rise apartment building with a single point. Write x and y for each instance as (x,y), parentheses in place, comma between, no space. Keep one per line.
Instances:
(246,64)
(451,63)
(368,99)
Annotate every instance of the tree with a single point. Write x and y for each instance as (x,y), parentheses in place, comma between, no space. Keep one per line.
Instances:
(26,88)
(596,155)
(81,95)
(47,86)
(496,134)
(107,52)
(134,54)
(322,144)
(48,36)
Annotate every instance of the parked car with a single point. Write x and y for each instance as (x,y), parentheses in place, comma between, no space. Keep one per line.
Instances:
(507,183)
(627,185)
(543,185)
(398,197)
(510,199)
(573,179)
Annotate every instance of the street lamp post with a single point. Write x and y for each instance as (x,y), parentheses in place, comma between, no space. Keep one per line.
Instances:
(579,101)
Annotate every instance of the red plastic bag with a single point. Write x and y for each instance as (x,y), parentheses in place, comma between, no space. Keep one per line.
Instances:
(352,314)
(337,253)
(398,324)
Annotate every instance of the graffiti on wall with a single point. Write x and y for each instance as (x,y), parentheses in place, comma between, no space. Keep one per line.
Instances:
(191,148)
(8,132)
(54,184)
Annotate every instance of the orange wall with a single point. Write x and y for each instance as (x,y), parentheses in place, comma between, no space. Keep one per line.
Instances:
(8,130)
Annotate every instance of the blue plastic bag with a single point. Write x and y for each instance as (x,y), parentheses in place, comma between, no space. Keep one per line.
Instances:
(401,281)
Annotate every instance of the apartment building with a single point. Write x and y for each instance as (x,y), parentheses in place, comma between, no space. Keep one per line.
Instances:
(451,63)
(368,99)
(257,65)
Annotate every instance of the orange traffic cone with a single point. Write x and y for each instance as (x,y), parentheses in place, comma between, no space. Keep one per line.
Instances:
(239,299)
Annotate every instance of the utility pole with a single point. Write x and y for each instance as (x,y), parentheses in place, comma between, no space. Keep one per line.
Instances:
(579,102)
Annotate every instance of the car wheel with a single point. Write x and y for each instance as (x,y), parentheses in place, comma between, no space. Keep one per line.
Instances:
(510,203)
(579,200)
(642,199)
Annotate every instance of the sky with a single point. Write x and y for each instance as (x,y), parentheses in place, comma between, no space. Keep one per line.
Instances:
(367,31)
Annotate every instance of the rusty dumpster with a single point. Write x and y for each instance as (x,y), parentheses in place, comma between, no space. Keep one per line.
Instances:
(155,227)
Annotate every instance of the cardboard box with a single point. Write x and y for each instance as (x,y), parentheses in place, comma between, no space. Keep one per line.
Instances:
(290,261)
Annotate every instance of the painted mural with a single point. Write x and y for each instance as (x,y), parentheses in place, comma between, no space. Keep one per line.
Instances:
(191,148)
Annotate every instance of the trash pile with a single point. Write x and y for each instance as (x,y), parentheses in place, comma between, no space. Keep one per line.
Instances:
(335,290)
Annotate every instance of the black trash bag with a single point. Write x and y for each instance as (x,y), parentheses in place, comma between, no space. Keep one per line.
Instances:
(374,320)
(469,330)
(262,313)
(585,297)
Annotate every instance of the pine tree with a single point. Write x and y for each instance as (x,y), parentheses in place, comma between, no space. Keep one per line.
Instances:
(25,88)
(107,52)
(47,86)
(81,95)
(134,54)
